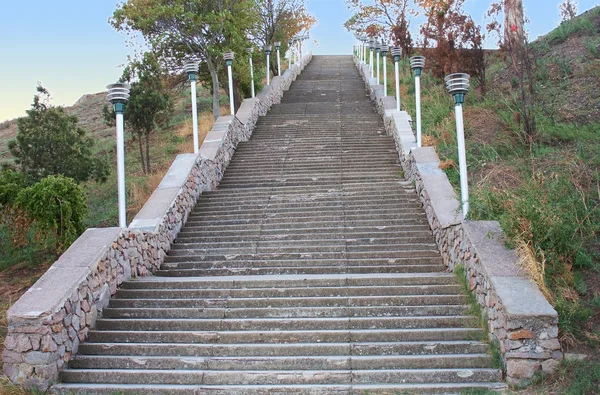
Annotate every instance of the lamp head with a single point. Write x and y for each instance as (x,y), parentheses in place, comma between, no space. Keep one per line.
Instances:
(457,85)
(191,67)
(396,53)
(118,95)
(417,64)
(228,56)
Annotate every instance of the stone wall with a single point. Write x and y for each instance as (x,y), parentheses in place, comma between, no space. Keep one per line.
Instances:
(47,324)
(520,320)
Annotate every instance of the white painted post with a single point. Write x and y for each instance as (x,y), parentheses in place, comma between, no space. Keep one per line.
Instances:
(250,52)
(191,68)
(121,171)
(268,52)
(418,110)
(277,46)
(417,63)
(194,115)
(384,51)
(397,85)
(228,56)
(462,159)
(458,86)
(377,49)
(372,47)
(118,95)
(397,53)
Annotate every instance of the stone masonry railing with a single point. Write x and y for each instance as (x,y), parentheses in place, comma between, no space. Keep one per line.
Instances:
(47,324)
(520,320)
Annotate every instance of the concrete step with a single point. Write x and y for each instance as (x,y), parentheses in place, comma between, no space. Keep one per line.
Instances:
(300,206)
(307,281)
(372,231)
(351,389)
(447,361)
(195,263)
(199,256)
(277,270)
(284,312)
(287,240)
(269,324)
(406,300)
(308,218)
(289,292)
(407,341)
(278,377)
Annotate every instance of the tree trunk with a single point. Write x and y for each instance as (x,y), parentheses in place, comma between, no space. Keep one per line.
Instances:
(215,86)
(148,151)
(237,94)
(142,160)
(513,24)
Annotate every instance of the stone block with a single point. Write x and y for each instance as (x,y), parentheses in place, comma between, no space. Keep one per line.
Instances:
(522,369)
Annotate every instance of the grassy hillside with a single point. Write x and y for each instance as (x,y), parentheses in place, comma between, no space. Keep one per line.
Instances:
(546,195)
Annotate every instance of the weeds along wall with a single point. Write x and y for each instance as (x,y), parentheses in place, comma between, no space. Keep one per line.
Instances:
(47,324)
(518,319)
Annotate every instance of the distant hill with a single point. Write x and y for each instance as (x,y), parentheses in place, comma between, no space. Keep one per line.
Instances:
(89,111)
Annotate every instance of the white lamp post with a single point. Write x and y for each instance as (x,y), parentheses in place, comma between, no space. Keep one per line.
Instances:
(277,47)
(372,48)
(250,52)
(118,95)
(365,41)
(268,52)
(397,53)
(458,86)
(384,51)
(191,68)
(417,63)
(228,56)
(377,50)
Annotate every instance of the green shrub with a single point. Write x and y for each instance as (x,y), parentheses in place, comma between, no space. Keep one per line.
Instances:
(11,183)
(57,205)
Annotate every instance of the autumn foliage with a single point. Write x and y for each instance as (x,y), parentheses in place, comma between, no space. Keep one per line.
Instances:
(450,38)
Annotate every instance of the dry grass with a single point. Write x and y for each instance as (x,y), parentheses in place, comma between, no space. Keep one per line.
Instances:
(534,265)
(429,141)
(8,388)
(447,164)
(140,192)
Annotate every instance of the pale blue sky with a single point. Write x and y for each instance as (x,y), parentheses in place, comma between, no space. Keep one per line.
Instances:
(69,46)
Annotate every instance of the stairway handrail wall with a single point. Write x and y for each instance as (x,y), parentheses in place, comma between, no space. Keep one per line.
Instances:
(520,321)
(47,324)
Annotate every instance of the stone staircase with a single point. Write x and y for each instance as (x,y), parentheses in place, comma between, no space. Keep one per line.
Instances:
(312,269)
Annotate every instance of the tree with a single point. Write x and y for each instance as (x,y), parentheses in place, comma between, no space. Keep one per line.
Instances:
(149,103)
(179,29)
(455,38)
(382,17)
(50,141)
(519,58)
(568,10)
(280,20)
